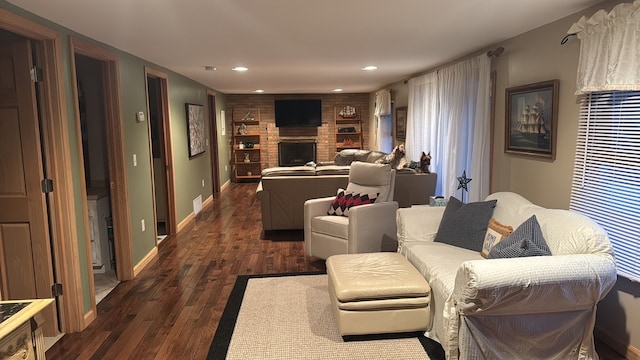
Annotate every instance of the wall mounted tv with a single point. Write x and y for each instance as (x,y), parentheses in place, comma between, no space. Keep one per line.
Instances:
(298,112)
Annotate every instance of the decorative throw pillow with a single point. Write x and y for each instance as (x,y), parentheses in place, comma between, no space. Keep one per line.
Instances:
(464,225)
(345,200)
(526,240)
(496,232)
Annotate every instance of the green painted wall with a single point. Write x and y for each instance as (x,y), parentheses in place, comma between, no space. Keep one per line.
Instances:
(189,173)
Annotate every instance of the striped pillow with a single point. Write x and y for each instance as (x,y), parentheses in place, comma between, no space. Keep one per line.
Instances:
(526,240)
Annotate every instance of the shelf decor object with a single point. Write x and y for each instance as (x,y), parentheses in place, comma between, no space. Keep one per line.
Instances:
(195,127)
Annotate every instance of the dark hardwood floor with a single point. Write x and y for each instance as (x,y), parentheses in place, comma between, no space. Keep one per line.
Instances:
(172,309)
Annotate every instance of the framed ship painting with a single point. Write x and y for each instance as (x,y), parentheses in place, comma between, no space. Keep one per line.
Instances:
(531,119)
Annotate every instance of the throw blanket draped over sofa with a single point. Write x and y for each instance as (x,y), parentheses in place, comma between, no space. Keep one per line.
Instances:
(538,307)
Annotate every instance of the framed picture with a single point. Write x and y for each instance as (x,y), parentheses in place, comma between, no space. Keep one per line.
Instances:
(531,119)
(195,127)
(401,122)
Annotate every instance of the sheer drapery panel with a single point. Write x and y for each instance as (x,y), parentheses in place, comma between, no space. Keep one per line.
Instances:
(449,116)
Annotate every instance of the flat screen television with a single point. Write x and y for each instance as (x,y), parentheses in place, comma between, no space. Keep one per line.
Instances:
(298,112)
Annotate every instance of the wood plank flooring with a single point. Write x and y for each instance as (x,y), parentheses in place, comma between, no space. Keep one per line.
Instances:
(172,309)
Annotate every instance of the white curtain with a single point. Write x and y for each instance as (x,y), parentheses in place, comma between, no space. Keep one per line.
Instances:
(382,112)
(449,115)
(609,50)
(424,132)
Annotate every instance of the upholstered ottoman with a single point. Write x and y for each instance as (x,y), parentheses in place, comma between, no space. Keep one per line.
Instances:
(377,293)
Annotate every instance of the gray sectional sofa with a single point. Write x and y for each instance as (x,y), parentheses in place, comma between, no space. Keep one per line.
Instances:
(282,191)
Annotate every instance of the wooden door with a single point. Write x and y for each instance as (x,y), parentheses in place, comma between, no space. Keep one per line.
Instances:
(26,270)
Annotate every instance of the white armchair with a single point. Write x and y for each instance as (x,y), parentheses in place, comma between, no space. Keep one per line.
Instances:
(368,228)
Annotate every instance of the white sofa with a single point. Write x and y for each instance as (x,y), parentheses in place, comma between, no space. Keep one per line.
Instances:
(541,307)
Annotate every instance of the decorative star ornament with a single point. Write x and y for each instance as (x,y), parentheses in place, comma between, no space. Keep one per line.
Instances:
(462,183)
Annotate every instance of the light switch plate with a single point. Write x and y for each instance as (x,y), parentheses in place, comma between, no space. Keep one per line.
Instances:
(140,116)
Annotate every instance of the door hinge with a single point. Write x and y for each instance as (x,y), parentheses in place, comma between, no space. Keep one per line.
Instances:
(56,290)
(47,186)
(36,74)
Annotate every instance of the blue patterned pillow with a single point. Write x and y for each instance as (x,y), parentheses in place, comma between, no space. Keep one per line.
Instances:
(464,225)
(526,240)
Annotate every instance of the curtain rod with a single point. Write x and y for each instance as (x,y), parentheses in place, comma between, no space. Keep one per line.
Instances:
(497,52)
(566,38)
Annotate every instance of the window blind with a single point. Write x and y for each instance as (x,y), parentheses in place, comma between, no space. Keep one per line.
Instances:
(606,179)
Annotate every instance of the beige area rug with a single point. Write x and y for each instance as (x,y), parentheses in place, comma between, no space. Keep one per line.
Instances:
(289,317)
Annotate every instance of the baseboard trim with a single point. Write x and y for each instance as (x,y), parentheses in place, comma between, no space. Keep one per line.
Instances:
(225,185)
(207,201)
(145,261)
(629,352)
(186,221)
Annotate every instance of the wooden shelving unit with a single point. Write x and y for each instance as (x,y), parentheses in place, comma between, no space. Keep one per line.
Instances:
(348,127)
(247,162)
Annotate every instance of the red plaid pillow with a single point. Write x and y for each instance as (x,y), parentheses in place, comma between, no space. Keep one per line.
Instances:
(345,200)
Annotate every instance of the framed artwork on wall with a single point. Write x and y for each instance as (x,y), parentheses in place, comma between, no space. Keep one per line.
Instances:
(401,123)
(531,119)
(195,129)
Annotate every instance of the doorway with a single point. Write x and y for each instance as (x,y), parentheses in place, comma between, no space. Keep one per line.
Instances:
(26,246)
(213,135)
(161,155)
(91,111)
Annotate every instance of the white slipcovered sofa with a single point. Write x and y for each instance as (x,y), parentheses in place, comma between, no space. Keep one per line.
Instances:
(540,307)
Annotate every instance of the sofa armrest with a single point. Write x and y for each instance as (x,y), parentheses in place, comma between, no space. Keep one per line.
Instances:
(541,284)
(372,227)
(313,208)
(419,223)
(265,205)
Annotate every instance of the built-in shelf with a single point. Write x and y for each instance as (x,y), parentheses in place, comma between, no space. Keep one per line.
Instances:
(348,124)
(247,118)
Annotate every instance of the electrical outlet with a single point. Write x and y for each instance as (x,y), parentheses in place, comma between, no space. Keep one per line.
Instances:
(142,225)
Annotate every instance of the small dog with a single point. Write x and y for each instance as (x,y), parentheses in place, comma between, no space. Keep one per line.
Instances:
(397,159)
(425,161)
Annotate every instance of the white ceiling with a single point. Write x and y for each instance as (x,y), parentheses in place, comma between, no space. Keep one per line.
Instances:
(301,46)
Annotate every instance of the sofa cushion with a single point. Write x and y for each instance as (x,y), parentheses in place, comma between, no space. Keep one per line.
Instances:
(336,226)
(345,200)
(526,240)
(496,232)
(465,225)
(375,156)
(289,170)
(332,170)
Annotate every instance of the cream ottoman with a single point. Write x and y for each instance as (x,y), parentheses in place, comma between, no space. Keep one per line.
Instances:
(377,293)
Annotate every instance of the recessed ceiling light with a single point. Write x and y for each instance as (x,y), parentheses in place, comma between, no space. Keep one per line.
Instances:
(337,90)
(370,68)
(240,68)
(259,91)
(210,68)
